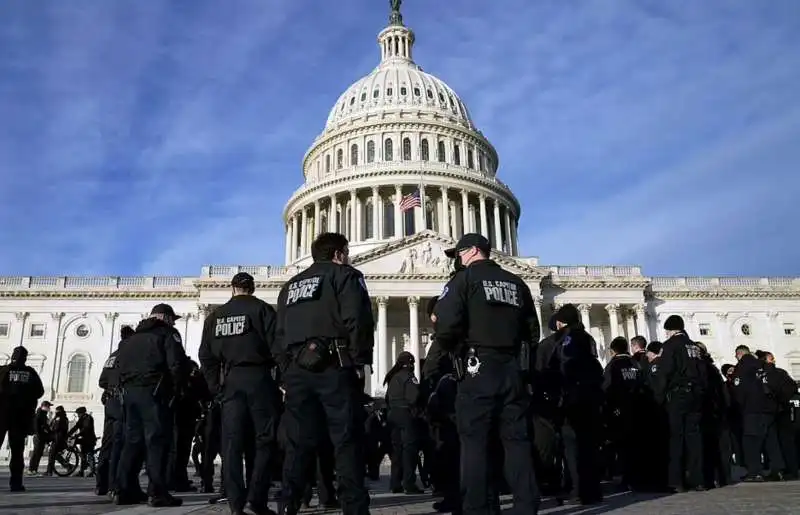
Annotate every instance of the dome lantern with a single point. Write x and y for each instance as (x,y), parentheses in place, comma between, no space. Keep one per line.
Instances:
(396,40)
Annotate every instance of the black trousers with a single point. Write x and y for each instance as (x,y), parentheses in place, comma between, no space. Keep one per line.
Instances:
(786,433)
(447,459)
(321,473)
(685,439)
(580,435)
(212,445)
(148,425)
(39,442)
(180,448)
(405,448)
(249,410)
(110,446)
(17,430)
(495,397)
(759,432)
(335,390)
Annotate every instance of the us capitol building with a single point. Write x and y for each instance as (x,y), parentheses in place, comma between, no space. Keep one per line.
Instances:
(394,132)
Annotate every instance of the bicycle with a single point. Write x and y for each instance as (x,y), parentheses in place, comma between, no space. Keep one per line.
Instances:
(66,461)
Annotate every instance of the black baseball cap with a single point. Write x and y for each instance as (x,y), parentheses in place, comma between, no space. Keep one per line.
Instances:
(243,280)
(164,309)
(472,239)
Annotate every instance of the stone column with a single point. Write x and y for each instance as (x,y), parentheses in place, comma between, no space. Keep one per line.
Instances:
(294,236)
(584,309)
(498,230)
(111,318)
(484,223)
(332,226)
(317,219)
(288,250)
(690,325)
(359,232)
(465,226)
(537,302)
(445,221)
(771,317)
(613,319)
(376,226)
(382,343)
(398,215)
(723,333)
(352,229)
(413,329)
(514,242)
(303,232)
(58,317)
(641,322)
(509,247)
(629,325)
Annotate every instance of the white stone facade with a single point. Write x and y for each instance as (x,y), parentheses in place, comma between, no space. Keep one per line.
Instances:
(70,324)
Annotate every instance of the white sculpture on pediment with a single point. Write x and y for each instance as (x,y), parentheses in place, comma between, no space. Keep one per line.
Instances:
(422,260)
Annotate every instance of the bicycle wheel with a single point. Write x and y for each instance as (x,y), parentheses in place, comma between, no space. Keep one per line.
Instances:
(67,461)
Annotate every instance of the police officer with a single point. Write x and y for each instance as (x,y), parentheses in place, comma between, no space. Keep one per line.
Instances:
(20,388)
(489,312)
(624,389)
(150,365)
(325,326)
(237,342)
(681,387)
(402,396)
(113,428)
(752,393)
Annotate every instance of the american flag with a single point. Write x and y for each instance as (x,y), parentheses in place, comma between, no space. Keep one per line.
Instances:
(410,201)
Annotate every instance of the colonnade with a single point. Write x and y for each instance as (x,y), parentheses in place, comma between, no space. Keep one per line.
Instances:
(377,216)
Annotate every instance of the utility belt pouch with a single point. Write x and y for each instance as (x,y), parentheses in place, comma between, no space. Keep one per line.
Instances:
(314,356)
(343,354)
(458,366)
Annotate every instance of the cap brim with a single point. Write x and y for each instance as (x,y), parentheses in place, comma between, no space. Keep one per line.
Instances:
(176,317)
(451,253)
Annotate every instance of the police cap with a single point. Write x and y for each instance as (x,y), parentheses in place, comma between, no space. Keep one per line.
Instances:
(164,309)
(243,281)
(469,240)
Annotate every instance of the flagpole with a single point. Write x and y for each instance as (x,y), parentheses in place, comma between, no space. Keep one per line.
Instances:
(422,196)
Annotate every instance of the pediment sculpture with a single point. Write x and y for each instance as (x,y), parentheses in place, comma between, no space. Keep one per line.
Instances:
(421,260)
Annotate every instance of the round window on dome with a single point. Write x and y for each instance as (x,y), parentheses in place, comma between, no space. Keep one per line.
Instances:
(376,93)
(416,92)
(363,96)
(746,329)
(441,98)
(82,331)
(352,100)
(403,91)
(389,91)
(430,94)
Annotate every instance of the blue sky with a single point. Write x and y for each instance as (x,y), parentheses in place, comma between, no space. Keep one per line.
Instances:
(152,137)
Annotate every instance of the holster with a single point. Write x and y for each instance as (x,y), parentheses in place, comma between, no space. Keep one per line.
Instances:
(314,355)
(458,366)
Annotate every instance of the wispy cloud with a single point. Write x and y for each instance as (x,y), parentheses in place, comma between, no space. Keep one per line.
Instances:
(156,137)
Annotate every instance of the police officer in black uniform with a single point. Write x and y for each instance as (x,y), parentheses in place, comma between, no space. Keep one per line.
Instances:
(150,365)
(20,388)
(752,393)
(113,428)
(489,312)
(238,338)
(402,398)
(624,389)
(681,387)
(325,326)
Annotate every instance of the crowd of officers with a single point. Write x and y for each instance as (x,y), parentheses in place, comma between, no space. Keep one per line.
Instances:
(278,394)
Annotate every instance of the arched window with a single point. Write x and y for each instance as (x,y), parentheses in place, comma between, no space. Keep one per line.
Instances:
(440,153)
(456,154)
(406,149)
(370,151)
(368,225)
(388,218)
(77,368)
(431,221)
(323,222)
(353,155)
(424,151)
(339,158)
(387,150)
(470,159)
(480,161)
(328,163)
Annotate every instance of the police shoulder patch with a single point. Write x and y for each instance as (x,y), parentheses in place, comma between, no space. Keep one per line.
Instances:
(177,337)
(654,368)
(363,283)
(110,362)
(567,340)
(414,379)
(444,292)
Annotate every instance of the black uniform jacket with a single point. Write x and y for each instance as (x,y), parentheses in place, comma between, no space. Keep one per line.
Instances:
(327,301)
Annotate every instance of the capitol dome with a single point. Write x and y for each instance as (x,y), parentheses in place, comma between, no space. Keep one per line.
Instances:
(399,155)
